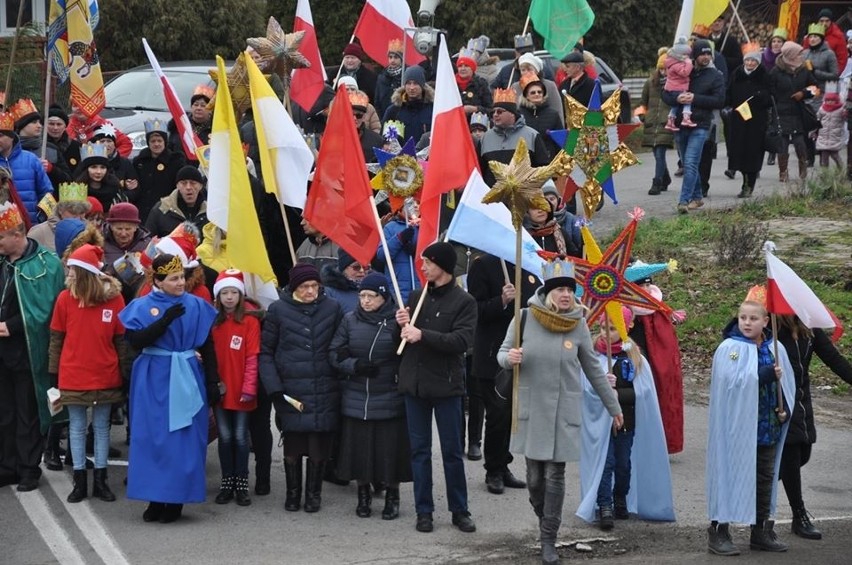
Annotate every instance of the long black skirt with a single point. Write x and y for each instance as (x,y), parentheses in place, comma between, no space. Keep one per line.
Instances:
(374,451)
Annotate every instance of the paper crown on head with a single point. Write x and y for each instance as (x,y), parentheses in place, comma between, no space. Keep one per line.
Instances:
(155,125)
(89,258)
(469,53)
(204,90)
(23,108)
(556,271)
(10,216)
(816,29)
(641,271)
(182,243)
(359,99)
(73,191)
(229,278)
(505,96)
(94,154)
(757,294)
(7,121)
(105,130)
(751,47)
(526,80)
(779,32)
(479,119)
(701,30)
(479,44)
(395,46)
(393,129)
(175,265)
(524,41)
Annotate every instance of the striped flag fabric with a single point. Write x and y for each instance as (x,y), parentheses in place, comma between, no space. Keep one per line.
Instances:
(307,84)
(71,47)
(380,22)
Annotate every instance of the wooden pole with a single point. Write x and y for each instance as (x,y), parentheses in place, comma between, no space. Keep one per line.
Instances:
(388,260)
(512,73)
(47,70)
(287,231)
(21,5)
(414,316)
(516,370)
(782,415)
(608,344)
(505,271)
(340,70)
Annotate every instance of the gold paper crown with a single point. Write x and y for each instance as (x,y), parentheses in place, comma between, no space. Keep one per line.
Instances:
(701,30)
(170,268)
(359,99)
(751,47)
(7,121)
(204,90)
(22,108)
(526,80)
(757,294)
(505,95)
(817,29)
(395,46)
(10,217)
(73,191)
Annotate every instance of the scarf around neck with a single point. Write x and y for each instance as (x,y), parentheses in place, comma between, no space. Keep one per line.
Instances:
(553,321)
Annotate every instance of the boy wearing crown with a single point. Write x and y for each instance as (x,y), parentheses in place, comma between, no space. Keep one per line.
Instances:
(31,181)
(29,125)
(747,428)
(31,278)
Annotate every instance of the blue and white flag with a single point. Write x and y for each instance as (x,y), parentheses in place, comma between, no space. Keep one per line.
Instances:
(488,227)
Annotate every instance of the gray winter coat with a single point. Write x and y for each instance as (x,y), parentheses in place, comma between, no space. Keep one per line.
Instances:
(823,64)
(550,407)
(830,136)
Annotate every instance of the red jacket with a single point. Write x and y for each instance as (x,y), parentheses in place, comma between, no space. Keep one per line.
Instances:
(237,348)
(84,132)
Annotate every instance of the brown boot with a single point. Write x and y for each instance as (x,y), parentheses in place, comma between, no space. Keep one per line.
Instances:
(803,168)
(783,161)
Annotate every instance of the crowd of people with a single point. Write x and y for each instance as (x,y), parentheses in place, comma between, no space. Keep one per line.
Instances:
(118,294)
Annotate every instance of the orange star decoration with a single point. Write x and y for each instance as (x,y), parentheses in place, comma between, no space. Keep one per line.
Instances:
(279,51)
(602,277)
(518,184)
(238,84)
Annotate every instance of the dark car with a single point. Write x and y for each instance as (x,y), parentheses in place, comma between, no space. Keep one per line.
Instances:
(136,95)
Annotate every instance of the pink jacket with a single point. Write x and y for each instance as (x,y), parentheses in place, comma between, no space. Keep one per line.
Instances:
(677,74)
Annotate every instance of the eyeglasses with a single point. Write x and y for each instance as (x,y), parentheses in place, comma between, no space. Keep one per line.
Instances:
(535,93)
(357,267)
(358,115)
(368,296)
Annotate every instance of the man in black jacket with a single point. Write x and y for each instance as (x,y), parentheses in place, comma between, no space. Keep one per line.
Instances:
(706,93)
(431,378)
(577,84)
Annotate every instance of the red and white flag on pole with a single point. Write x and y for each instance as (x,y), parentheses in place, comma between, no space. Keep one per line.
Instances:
(307,84)
(382,21)
(452,157)
(189,139)
(787,294)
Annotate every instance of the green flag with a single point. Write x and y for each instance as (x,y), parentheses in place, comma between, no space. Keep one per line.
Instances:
(562,23)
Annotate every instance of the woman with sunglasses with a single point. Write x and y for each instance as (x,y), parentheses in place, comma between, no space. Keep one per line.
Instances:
(341,282)
(538,114)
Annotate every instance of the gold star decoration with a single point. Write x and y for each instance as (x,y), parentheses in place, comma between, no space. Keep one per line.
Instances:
(518,184)
(279,51)
(238,84)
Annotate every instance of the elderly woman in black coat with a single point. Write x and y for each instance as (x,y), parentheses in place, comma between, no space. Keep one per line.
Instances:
(749,83)
(294,361)
(374,437)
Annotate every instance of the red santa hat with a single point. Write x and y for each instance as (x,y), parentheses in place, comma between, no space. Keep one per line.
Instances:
(229,278)
(181,242)
(88,257)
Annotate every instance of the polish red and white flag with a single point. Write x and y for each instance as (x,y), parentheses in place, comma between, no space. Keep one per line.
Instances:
(307,84)
(382,21)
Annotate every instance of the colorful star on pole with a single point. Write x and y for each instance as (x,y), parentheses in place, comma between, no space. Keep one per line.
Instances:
(602,276)
(519,184)
(280,50)
(400,174)
(238,83)
(597,145)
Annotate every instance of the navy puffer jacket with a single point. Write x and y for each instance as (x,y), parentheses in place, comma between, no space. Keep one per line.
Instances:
(371,336)
(294,360)
(30,179)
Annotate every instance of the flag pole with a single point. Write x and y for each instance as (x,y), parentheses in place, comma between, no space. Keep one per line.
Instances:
(47,71)
(782,415)
(526,27)
(340,68)
(15,48)
(516,369)
(416,309)
(608,344)
(287,231)
(388,261)
(505,271)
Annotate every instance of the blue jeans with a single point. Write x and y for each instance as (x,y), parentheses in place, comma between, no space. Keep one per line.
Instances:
(618,464)
(77,424)
(660,166)
(448,416)
(690,143)
(233,441)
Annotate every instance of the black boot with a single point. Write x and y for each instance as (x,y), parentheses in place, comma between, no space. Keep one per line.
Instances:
(667,180)
(226,491)
(262,486)
(619,508)
(81,487)
(153,512)
(171,512)
(391,510)
(763,537)
(719,540)
(802,525)
(606,521)
(745,191)
(656,187)
(241,491)
(365,498)
(52,456)
(100,488)
(313,485)
(293,475)
(771,159)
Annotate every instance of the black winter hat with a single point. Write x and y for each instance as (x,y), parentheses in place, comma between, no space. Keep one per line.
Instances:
(378,283)
(188,172)
(442,254)
(344,259)
(58,112)
(701,47)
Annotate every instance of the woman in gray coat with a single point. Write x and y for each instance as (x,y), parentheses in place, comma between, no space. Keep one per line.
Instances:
(556,344)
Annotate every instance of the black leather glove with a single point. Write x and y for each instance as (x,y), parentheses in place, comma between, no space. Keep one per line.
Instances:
(53,379)
(365,368)
(174,312)
(213,394)
(406,237)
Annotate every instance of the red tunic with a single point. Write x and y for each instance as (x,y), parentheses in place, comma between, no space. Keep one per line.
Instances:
(237,347)
(88,360)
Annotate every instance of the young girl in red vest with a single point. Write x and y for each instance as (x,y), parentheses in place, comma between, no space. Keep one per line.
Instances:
(89,353)
(236,337)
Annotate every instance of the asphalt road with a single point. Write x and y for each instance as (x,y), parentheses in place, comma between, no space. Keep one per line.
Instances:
(41,528)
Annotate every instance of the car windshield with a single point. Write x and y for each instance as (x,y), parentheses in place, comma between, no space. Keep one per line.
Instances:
(142,89)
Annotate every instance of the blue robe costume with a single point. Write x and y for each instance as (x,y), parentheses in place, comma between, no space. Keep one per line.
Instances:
(168,402)
(650,495)
(731,473)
